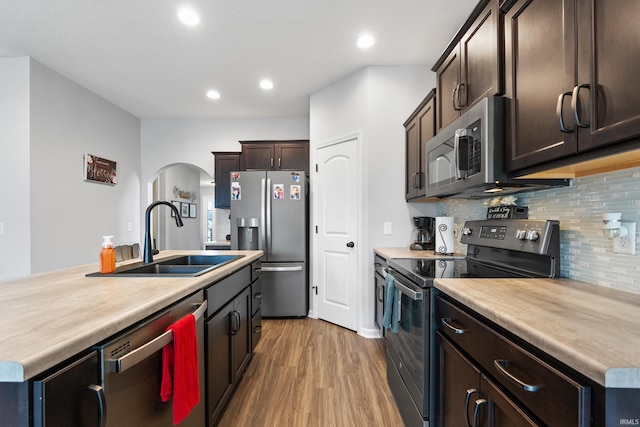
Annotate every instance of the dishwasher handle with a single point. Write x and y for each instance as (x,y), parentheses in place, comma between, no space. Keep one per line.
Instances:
(146,350)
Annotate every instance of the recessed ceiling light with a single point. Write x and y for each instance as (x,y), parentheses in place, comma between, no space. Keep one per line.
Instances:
(266,84)
(213,94)
(365,41)
(188,16)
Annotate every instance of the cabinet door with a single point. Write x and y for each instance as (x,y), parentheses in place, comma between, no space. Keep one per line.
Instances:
(224,164)
(447,86)
(539,71)
(427,124)
(412,167)
(241,333)
(480,58)
(71,396)
(608,38)
(458,385)
(258,156)
(292,157)
(218,369)
(499,410)
(379,304)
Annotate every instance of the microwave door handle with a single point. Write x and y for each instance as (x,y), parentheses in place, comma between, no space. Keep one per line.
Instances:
(456,155)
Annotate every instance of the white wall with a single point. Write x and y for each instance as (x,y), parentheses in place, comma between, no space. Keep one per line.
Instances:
(191,141)
(375,101)
(15,210)
(69,215)
(170,236)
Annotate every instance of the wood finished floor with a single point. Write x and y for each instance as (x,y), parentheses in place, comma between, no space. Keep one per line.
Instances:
(307,372)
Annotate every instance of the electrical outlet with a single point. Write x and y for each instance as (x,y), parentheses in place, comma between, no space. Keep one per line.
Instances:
(626,244)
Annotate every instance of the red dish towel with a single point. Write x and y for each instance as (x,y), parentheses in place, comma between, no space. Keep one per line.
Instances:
(180,369)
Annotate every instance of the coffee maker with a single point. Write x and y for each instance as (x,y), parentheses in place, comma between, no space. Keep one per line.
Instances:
(425,238)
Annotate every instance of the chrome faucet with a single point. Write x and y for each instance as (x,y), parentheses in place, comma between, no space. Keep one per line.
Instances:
(148,254)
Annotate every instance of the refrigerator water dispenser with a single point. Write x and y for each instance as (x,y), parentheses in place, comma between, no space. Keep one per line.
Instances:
(247,233)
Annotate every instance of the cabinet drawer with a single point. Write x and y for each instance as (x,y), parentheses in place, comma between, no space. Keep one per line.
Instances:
(223,291)
(256,329)
(256,295)
(552,396)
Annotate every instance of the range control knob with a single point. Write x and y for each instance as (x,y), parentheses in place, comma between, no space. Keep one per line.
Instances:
(521,234)
(533,235)
(465,231)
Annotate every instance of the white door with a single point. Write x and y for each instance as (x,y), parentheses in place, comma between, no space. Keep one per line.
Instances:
(336,214)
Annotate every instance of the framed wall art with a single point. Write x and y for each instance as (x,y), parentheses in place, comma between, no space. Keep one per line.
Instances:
(184,210)
(97,169)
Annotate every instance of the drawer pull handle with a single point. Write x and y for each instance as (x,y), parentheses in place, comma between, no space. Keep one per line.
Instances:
(470,392)
(476,411)
(446,321)
(500,366)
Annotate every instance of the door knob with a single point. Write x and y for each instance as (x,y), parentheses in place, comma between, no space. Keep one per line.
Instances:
(350,244)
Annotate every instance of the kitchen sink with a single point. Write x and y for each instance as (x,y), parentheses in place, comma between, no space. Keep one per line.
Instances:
(176,266)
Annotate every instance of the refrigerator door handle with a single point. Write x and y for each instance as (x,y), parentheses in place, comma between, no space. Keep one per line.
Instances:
(267,194)
(298,268)
(263,209)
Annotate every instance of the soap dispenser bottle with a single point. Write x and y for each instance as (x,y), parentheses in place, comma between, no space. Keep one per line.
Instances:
(107,256)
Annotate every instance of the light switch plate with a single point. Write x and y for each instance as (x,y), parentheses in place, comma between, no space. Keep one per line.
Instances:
(626,244)
(387,229)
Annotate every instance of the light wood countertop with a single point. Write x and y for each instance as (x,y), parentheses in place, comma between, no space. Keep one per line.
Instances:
(49,317)
(593,329)
(390,253)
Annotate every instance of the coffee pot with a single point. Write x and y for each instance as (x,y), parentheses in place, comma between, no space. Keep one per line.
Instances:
(425,239)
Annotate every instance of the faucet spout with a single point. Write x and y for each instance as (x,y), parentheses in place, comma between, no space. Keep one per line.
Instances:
(148,255)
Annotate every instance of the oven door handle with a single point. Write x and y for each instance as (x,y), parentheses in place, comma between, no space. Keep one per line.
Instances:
(142,352)
(416,296)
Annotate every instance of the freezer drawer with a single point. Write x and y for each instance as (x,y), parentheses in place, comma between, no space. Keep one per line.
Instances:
(284,289)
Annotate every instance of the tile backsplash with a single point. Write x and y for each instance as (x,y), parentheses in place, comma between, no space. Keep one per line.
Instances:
(585,253)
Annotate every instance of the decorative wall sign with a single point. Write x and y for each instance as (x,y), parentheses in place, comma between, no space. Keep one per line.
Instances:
(193,210)
(97,169)
(183,194)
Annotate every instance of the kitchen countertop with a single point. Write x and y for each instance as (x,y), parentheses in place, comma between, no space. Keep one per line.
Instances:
(47,318)
(593,329)
(390,253)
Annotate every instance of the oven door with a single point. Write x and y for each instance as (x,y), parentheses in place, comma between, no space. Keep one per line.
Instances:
(409,346)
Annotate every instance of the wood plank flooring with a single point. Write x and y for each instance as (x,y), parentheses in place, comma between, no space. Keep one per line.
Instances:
(307,372)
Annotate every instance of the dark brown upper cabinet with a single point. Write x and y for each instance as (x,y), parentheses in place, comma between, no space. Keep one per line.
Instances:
(470,68)
(419,128)
(275,155)
(224,164)
(570,80)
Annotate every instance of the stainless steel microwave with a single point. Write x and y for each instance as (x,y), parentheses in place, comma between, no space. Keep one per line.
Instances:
(467,158)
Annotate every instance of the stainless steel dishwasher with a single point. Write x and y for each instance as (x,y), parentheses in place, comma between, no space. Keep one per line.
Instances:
(131,368)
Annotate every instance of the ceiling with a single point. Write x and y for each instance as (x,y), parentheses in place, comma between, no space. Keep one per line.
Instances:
(137,55)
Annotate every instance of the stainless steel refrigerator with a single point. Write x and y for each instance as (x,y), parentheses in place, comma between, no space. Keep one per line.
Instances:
(269,211)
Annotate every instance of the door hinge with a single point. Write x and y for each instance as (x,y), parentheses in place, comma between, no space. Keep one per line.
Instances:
(315,289)
(316,167)
(316,229)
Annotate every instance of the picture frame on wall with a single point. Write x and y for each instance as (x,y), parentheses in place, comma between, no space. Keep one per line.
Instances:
(100,170)
(184,210)
(193,210)
(178,207)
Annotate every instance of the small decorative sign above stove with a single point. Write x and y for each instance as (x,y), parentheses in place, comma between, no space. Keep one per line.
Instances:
(507,212)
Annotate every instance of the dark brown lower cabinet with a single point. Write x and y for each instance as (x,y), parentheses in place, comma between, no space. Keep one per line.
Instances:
(487,379)
(468,398)
(228,352)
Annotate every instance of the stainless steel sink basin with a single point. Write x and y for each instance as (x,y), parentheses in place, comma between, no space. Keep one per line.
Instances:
(177,266)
